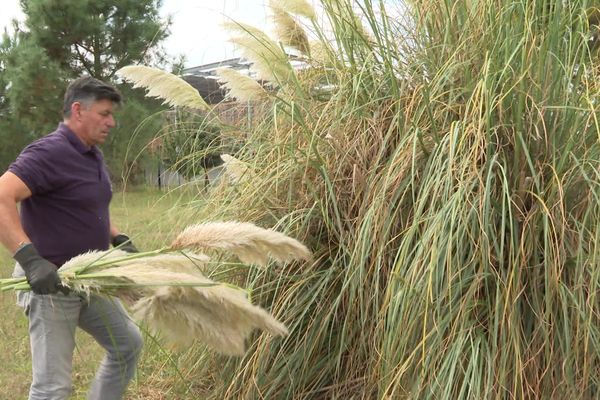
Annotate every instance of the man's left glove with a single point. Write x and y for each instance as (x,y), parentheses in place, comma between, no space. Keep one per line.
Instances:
(124,243)
(41,274)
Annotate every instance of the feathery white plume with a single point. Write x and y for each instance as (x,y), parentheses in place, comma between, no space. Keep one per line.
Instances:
(235,169)
(170,292)
(298,7)
(289,31)
(240,87)
(268,59)
(172,89)
(219,316)
(248,242)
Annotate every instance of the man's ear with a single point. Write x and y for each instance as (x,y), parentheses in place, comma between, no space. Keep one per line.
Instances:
(76,109)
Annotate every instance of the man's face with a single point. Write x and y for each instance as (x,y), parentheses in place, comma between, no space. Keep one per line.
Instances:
(96,121)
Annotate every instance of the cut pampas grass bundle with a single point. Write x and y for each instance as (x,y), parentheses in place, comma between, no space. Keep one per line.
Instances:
(168,289)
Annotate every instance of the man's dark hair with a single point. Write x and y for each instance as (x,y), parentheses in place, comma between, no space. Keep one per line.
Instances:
(88,90)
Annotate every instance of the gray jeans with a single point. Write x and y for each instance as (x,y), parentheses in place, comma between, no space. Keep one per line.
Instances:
(52,322)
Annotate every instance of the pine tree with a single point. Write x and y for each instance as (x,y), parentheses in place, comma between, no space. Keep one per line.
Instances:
(97,36)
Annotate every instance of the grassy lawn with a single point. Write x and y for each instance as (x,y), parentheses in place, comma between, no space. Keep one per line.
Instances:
(151,218)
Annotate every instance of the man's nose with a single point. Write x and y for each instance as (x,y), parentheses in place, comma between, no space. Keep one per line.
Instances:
(111,122)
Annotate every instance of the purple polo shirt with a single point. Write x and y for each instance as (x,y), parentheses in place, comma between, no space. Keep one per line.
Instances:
(68,212)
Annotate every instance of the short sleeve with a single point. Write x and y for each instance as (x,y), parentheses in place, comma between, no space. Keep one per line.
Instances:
(35,167)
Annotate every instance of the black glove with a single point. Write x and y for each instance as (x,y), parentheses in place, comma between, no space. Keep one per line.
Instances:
(40,273)
(124,243)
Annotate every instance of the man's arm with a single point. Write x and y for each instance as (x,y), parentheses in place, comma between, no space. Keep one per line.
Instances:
(12,191)
(40,273)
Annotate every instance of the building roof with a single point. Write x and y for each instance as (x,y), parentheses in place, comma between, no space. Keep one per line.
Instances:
(210,69)
(204,78)
(209,88)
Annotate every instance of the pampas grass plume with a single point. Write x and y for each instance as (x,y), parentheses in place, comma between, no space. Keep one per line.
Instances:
(320,53)
(248,30)
(164,85)
(269,62)
(289,31)
(246,241)
(219,316)
(268,59)
(235,169)
(168,288)
(91,257)
(297,7)
(240,87)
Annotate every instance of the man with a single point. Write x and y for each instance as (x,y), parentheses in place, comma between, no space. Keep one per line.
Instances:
(63,186)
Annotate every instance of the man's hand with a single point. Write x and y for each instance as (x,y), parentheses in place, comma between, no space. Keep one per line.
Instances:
(40,273)
(124,243)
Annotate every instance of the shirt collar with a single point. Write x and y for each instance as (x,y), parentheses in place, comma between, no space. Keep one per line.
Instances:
(64,130)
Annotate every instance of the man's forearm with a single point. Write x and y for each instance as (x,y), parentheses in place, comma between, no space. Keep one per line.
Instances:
(12,234)
(114,231)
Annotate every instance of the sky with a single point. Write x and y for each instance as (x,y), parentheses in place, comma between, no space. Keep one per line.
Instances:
(196,29)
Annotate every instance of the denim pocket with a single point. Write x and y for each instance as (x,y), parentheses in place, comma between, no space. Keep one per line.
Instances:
(24,300)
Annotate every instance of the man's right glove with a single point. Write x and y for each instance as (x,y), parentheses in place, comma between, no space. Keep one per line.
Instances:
(41,274)
(124,243)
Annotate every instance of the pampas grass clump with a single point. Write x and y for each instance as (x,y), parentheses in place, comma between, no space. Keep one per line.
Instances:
(443,158)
